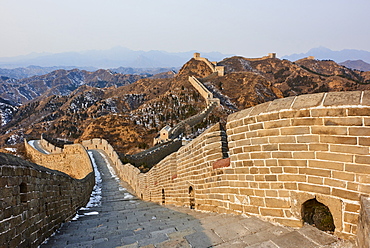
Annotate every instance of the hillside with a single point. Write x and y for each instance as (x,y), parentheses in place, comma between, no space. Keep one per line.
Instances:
(60,82)
(356,64)
(129,116)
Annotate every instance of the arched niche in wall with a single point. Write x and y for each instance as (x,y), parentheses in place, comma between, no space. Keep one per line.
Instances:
(191,198)
(317,214)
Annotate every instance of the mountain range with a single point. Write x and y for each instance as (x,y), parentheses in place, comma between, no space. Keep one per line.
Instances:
(324,53)
(129,110)
(104,59)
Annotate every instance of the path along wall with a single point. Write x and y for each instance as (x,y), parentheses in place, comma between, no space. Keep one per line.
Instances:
(282,153)
(36,200)
(72,160)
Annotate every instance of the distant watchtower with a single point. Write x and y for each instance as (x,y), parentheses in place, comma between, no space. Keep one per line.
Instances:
(271,55)
(196,55)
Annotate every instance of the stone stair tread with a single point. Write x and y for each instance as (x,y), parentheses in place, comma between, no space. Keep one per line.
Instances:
(293,240)
(318,236)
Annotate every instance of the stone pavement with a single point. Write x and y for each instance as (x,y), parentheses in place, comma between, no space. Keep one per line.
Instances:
(123,220)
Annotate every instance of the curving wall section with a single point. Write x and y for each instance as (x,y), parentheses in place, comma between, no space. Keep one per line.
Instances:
(72,160)
(281,154)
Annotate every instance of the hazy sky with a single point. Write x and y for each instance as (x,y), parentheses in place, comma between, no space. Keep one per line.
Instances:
(245,27)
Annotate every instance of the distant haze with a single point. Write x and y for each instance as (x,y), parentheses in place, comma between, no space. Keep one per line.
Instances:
(243,27)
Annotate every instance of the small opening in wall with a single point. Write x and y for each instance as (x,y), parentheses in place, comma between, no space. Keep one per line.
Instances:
(163,197)
(317,214)
(23,192)
(191,198)
(141,195)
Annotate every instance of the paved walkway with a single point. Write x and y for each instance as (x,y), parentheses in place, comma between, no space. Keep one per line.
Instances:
(123,220)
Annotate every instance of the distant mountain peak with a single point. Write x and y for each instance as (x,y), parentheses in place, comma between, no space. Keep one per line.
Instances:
(326,53)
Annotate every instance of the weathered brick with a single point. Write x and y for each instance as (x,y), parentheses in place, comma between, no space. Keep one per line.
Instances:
(257,141)
(255,126)
(281,154)
(251,134)
(359,131)
(342,98)
(270,177)
(277,202)
(364,141)
(290,169)
(270,147)
(359,112)
(332,130)
(308,139)
(362,159)
(346,194)
(295,130)
(309,121)
(304,155)
(295,113)
(251,209)
(271,162)
(337,112)
(351,218)
(282,139)
(318,147)
(338,139)
(282,103)
(267,117)
(314,172)
(315,180)
(339,157)
(314,188)
(249,120)
(292,178)
(268,132)
(252,148)
(272,212)
(292,162)
(291,186)
(257,201)
(361,150)
(293,147)
(343,175)
(343,121)
(334,183)
(350,207)
(307,101)
(326,165)
(277,123)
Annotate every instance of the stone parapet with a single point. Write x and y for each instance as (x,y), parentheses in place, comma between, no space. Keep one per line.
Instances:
(73,160)
(363,235)
(36,201)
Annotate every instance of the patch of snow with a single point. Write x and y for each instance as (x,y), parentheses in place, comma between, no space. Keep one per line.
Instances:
(10,149)
(95,198)
(92,213)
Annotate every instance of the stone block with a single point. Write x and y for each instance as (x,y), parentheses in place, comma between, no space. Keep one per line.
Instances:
(279,104)
(293,147)
(331,130)
(277,123)
(274,212)
(308,139)
(343,121)
(359,112)
(308,101)
(314,188)
(338,139)
(295,130)
(346,194)
(267,117)
(315,172)
(277,202)
(331,156)
(315,180)
(318,147)
(360,150)
(282,154)
(309,121)
(359,131)
(261,108)
(292,162)
(335,112)
(342,98)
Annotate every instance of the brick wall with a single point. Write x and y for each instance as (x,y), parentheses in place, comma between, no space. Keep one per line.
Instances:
(73,160)
(35,201)
(294,149)
(282,153)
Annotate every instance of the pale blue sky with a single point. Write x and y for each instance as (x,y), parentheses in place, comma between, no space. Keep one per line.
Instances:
(245,27)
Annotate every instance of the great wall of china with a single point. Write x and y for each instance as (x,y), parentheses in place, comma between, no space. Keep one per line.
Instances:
(269,161)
